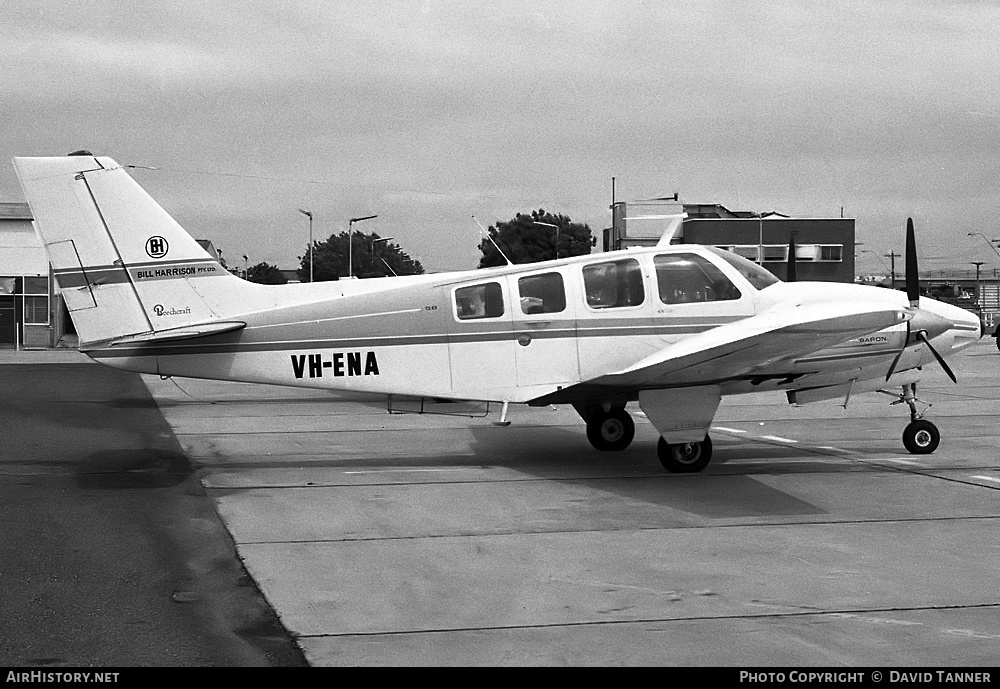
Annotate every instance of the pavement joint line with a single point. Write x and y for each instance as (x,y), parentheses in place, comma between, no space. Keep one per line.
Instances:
(622,529)
(422,429)
(927,472)
(655,620)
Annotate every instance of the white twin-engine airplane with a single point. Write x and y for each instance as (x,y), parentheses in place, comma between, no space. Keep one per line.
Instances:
(674,327)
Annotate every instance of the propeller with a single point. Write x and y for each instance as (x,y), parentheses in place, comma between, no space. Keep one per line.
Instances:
(921,321)
(912,278)
(790,273)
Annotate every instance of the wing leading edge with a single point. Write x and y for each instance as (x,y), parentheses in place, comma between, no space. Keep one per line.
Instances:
(739,349)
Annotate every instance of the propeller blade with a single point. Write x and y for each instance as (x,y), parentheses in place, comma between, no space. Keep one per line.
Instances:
(912,277)
(790,274)
(923,338)
(906,341)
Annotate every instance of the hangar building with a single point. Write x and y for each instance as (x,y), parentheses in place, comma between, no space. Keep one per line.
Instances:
(32,314)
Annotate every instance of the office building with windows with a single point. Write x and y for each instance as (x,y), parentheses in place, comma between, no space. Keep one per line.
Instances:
(824,247)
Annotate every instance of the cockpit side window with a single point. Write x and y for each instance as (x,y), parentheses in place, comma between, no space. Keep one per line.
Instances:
(543,293)
(613,284)
(685,278)
(479,301)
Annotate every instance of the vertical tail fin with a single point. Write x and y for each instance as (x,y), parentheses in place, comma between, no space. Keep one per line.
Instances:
(124,266)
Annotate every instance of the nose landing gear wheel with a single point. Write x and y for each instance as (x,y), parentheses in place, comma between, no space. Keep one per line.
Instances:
(684,458)
(921,437)
(610,431)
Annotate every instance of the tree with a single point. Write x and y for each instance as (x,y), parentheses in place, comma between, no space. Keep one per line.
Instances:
(372,256)
(531,238)
(266,274)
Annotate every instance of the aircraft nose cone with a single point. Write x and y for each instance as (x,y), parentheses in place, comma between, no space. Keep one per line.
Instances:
(964,327)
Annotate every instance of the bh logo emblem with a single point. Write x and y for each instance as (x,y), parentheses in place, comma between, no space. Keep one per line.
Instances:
(156,247)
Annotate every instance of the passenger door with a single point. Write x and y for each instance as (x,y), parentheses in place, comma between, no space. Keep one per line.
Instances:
(544,327)
(615,323)
(479,341)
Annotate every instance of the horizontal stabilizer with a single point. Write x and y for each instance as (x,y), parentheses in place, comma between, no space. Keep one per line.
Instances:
(188,332)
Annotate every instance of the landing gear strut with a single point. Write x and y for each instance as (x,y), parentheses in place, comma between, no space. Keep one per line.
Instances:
(920,437)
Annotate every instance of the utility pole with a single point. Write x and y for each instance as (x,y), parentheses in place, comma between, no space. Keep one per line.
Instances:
(892,256)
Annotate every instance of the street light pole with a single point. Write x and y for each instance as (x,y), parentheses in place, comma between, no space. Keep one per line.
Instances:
(978,289)
(310,216)
(973,234)
(350,242)
(376,241)
(548,224)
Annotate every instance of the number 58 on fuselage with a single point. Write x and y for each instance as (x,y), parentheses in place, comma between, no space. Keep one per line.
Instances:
(674,327)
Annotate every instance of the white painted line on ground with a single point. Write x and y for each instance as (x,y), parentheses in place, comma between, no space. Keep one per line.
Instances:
(727,430)
(792,460)
(778,439)
(993,479)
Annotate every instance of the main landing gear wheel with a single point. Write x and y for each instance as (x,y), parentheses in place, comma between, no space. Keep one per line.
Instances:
(610,430)
(921,437)
(684,458)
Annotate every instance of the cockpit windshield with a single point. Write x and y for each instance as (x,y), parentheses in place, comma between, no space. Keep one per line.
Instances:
(757,276)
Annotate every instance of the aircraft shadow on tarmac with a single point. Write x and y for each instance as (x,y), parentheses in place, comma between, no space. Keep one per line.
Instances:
(635,475)
(101,426)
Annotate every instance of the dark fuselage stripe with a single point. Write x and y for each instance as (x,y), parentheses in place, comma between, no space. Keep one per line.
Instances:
(507,334)
(70,278)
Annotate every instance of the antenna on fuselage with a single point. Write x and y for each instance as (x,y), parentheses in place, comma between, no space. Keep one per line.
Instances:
(483,230)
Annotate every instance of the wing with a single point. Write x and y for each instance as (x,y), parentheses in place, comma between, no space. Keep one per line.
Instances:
(739,349)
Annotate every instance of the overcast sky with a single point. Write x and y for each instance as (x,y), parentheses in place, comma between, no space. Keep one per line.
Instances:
(427,113)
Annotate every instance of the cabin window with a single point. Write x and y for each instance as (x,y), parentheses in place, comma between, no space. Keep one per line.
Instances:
(479,301)
(686,278)
(613,284)
(542,293)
